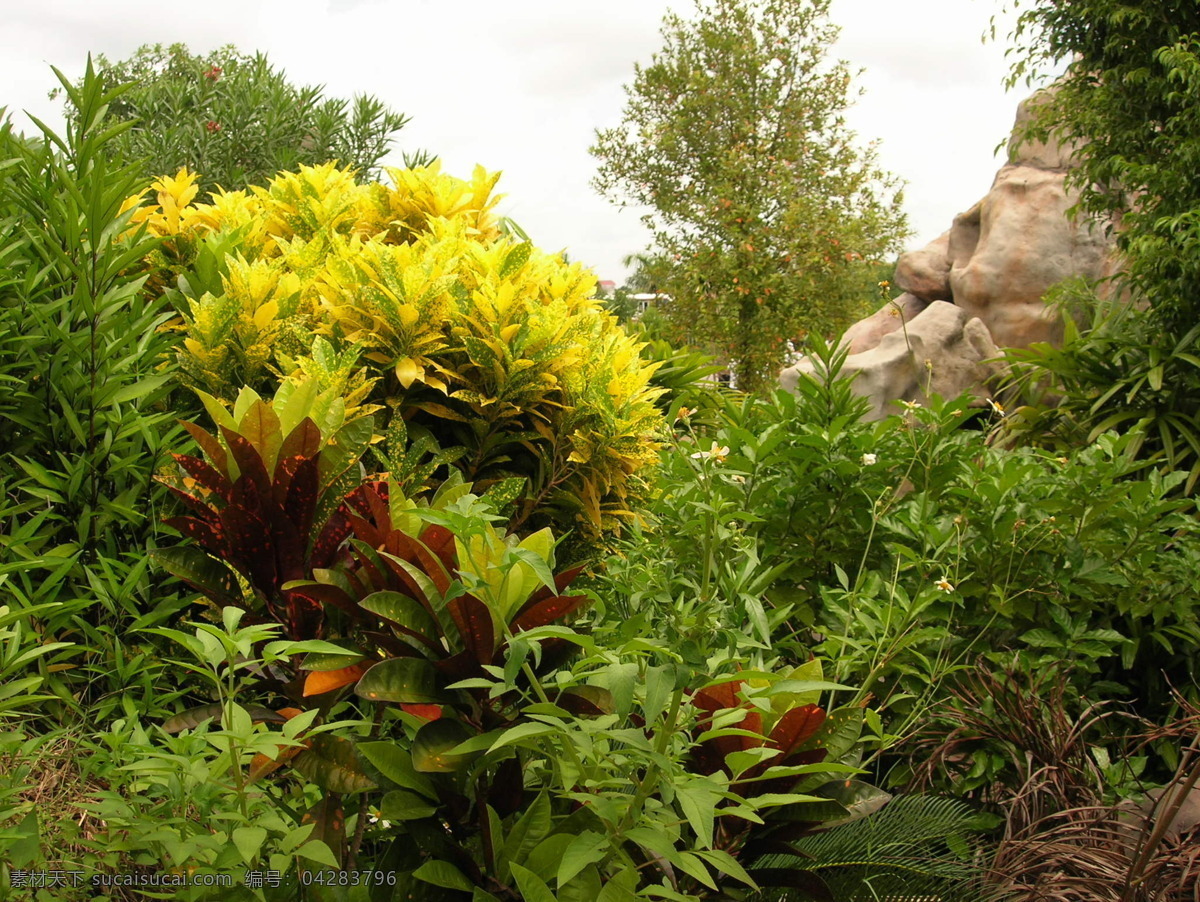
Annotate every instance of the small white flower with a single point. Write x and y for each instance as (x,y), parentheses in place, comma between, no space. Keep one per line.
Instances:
(997,407)
(944,585)
(869,460)
(738,478)
(716,452)
(374,820)
(910,405)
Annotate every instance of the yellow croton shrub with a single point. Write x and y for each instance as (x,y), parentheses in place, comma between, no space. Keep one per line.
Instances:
(482,351)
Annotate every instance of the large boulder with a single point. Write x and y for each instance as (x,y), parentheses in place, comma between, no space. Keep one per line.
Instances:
(1011,247)
(940,351)
(981,285)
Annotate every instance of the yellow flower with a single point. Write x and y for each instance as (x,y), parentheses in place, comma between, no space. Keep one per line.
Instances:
(996,406)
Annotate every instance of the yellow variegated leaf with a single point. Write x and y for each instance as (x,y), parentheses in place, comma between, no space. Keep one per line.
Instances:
(265,315)
(409,371)
(409,315)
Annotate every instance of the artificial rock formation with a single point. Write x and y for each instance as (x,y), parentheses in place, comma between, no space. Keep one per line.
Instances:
(994,265)
(941,351)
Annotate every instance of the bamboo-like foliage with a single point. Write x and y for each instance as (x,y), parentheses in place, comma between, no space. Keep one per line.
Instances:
(82,420)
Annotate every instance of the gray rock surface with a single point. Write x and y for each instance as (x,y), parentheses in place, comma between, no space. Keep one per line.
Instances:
(940,351)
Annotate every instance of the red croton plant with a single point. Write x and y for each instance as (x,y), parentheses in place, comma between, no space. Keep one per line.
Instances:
(417,597)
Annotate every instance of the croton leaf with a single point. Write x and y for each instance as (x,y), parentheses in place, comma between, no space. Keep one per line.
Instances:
(319,682)
(300,502)
(586,701)
(250,465)
(261,765)
(796,727)
(408,680)
(193,717)
(248,539)
(425,712)
(474,622)
(433,742)
(408,614)
(329,824)
(206,476)
(561,581)
(208,444)
(838,733)
(332,763)
(260,427)
(549,610)
(204,572)
(302,442)
(204,533)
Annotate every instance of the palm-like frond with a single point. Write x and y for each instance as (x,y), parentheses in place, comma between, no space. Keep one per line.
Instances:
(916,847)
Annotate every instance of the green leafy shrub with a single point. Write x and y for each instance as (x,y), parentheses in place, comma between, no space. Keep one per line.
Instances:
(902,551)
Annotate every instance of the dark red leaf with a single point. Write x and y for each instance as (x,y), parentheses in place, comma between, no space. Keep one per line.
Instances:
(301,500)
(248,544)
(378,512)
(561,581)
(397,648)
(796,727)
(332,596)
(205,533)
(199,505)
(440,541)
(330,823)
(474,622)
(304,442)
(551,610)
(289,547)
(325,548)
(432,567)
(715,698)
(209,445)
(507,789)
(365,531)
(249,464)
(461,666)
(204,475)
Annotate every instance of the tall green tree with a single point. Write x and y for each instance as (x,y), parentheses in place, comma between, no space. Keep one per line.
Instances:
(762,203)
(236,120)
(1130,100)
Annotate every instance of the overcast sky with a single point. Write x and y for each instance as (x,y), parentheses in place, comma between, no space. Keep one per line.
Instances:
(521,86)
